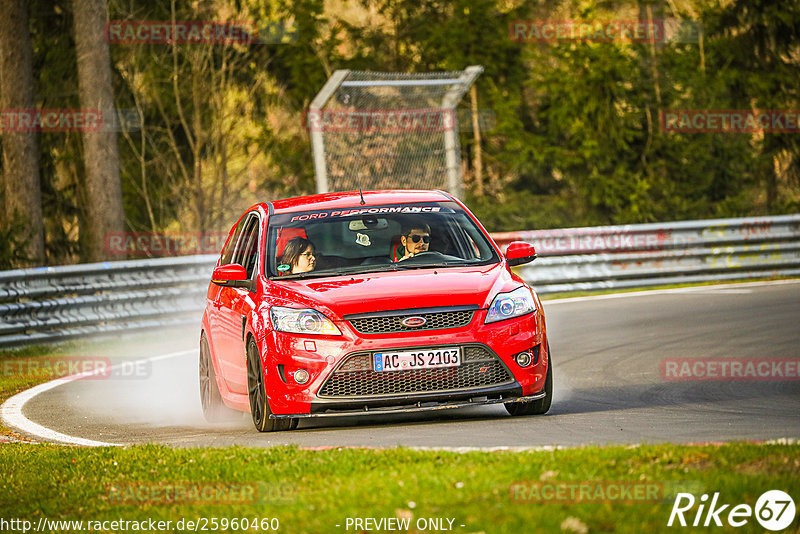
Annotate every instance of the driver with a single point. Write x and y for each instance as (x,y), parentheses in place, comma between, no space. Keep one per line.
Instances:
(415,240)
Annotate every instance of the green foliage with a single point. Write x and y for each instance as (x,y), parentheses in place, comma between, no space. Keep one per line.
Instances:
(575,137)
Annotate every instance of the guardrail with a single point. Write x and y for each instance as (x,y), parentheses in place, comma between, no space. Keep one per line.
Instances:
(642,255)
(57,303)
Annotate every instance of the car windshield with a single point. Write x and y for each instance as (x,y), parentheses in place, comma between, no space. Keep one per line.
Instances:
(373,239)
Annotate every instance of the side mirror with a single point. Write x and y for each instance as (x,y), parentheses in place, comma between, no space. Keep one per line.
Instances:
(230,275)
(519,252)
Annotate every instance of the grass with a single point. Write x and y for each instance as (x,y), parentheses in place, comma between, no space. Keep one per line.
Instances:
(313,491)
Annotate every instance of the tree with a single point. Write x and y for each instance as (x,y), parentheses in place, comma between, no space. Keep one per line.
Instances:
(23,197)
(101,157)
(755,47)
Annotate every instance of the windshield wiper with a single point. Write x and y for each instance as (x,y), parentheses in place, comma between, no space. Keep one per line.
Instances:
(365,269)
(356,269)
(302,276)
(463,263)
(379,268)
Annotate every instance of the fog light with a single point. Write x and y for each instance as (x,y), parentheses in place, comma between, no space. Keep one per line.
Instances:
(523,359)
(301,376)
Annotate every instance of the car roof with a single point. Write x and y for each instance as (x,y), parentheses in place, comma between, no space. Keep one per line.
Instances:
(348,199)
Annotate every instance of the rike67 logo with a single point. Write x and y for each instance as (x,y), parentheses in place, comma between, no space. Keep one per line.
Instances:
(774,511)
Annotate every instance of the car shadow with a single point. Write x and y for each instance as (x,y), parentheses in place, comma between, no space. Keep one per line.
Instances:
(697,395)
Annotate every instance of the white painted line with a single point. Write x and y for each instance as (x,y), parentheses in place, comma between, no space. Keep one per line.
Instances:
(11,410)
(509,448)
(550,448)
(692,289)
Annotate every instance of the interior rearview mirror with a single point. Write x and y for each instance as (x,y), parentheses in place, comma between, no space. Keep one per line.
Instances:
(368,223)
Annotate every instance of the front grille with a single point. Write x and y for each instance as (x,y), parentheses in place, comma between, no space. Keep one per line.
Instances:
(355,376)
(383,324)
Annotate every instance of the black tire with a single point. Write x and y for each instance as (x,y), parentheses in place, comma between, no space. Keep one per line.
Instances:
(257,392)
(214,408)
(537,407)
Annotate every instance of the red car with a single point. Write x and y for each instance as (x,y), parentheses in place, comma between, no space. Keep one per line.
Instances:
(369,303)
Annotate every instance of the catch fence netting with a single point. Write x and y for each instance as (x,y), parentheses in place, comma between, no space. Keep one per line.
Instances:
(375,130)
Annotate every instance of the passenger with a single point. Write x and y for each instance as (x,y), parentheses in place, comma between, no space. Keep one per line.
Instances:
(298,256)
(415,240)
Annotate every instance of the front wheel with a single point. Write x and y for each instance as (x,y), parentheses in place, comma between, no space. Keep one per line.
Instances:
(257,392)
(536,407)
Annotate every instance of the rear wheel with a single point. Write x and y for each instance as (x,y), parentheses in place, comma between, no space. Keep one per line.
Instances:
(536,407)
(257,392)
(214,409)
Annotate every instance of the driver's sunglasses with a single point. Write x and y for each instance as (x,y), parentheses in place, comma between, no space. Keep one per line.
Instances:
(416,237)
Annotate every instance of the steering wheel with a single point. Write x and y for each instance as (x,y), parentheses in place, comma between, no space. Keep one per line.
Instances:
(428,253)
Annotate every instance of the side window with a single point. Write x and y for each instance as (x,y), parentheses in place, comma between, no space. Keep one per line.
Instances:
(246,253)
(227,253)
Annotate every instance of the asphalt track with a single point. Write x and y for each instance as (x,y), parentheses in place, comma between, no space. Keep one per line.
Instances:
(608,384)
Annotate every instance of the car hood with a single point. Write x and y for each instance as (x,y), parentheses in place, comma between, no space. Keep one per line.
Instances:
(399,290)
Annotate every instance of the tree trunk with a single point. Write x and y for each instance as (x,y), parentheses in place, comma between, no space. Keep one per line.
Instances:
(477,161)
(100,153)
(23,192)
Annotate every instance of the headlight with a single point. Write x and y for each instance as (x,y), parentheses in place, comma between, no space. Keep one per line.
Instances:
(508,305)
(306,321)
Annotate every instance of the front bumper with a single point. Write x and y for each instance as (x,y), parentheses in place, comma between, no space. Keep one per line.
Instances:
(283,353)
(420,406)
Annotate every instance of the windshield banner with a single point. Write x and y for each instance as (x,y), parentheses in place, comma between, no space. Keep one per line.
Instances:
(350,212)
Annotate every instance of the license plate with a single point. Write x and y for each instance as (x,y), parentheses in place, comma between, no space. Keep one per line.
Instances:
(417,359)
